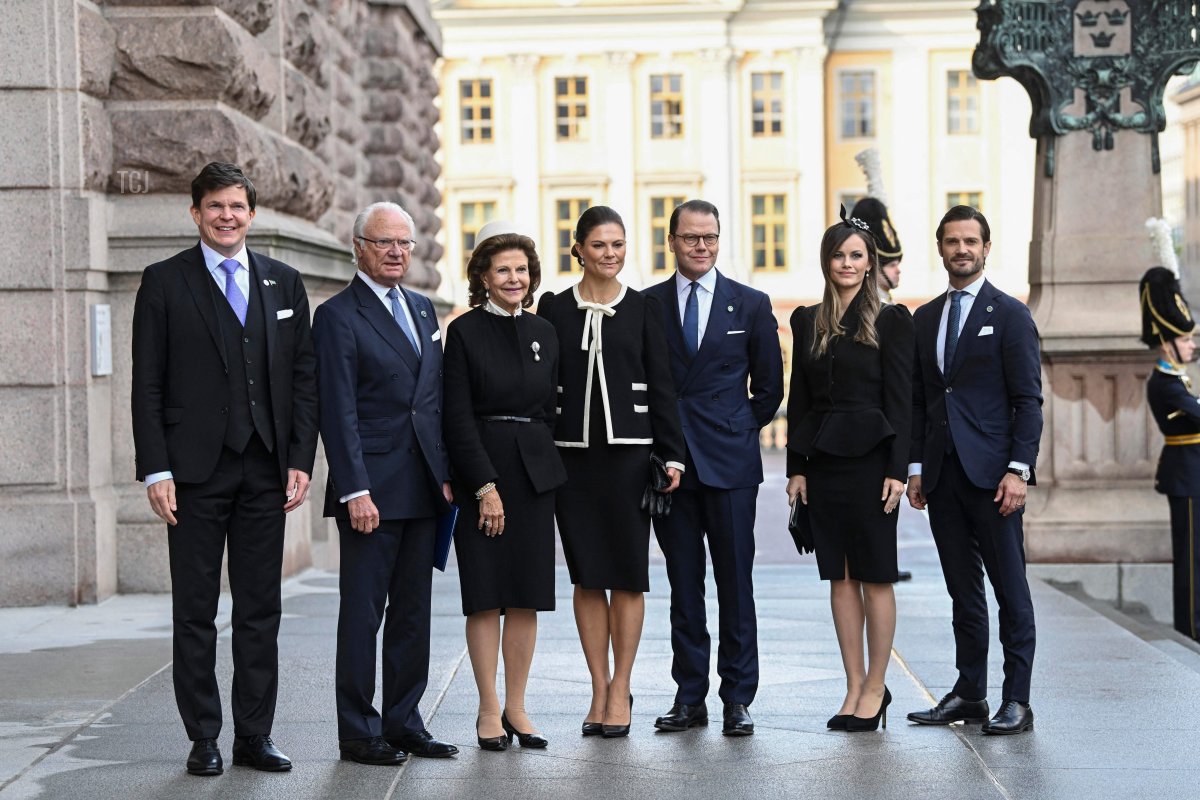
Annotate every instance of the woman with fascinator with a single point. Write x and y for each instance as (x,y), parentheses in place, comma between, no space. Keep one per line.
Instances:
(501,369)
(849,419)
(1167,329)
(617,404)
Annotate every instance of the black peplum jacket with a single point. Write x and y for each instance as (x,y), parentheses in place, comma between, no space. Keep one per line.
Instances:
(853,397)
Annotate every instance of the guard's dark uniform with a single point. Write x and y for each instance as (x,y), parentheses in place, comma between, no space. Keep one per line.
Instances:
(1165,317)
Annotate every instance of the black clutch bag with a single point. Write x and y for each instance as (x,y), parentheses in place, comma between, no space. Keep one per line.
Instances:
(801,529)
(654,500)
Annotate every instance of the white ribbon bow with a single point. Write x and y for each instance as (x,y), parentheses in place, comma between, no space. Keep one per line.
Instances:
(592,327)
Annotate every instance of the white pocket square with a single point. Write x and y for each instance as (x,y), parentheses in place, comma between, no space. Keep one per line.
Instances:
(731,333)
(436,335)
(986,330)
(284,313)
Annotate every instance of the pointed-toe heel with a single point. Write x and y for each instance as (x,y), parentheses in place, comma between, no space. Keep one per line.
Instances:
(525,739)
(837,722)
(859,724)
(617,731)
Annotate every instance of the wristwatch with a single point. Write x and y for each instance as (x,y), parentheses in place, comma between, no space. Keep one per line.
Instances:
(1023,474)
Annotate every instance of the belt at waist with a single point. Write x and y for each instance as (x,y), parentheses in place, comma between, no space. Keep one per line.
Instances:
(501,418)
(1185,438)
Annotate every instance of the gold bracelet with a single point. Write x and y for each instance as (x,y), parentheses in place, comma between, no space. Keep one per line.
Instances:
(490,486)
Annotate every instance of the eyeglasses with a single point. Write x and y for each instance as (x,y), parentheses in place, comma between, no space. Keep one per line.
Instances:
(691,239)
(383,245)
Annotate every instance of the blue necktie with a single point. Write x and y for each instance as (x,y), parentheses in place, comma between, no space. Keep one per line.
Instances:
(401,320)
(232,293)
(691,320)
(952,330)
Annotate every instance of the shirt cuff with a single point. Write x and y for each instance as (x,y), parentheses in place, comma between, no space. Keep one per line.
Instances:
(158,476)
(352,495)
(1017,465)
(676,465)
(914,469)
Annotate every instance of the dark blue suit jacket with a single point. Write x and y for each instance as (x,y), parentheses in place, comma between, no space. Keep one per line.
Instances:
(381,406)
(990,399)
(741,347)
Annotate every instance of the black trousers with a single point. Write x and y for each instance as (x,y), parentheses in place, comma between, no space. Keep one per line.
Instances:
(242,505)
(726,517)
(392,565)
(972,536)
(1186,564)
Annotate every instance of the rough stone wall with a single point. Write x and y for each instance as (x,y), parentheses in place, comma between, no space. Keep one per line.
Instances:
(110,107)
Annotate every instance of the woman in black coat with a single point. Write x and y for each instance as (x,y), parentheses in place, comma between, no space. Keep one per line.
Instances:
(499,393)
(617,403)
(849,423)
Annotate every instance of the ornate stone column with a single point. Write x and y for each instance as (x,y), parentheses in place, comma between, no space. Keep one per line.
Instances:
(1095,71)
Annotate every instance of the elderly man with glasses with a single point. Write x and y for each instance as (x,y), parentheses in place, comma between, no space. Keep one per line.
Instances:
(379,365)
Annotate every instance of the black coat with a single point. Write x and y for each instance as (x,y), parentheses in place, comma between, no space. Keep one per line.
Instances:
(1177,412)
(491,371)
(632,366)
(181,370)
(853,396)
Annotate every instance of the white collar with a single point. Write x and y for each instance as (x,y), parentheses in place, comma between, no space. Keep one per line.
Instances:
(378,288)
(213,259)
(492,308)
(606,307)
(971,288)
(707,281)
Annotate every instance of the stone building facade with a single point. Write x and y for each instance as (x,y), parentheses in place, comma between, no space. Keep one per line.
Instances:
(109,108)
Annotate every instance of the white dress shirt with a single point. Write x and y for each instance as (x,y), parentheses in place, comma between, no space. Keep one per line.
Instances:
(704,298)
(970,292)
(212,260)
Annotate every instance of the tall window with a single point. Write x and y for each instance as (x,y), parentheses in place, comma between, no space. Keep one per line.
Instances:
(565,214)
(660,224)
(768,220)
(856,94)
(571,107)
(766,103)
(475,103)
(972,199)
(666,106)
(472,217)
(962,102)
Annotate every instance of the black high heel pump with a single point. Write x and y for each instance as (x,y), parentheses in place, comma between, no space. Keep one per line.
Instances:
(859,724)
(617,731)
(494,743)
(526,739)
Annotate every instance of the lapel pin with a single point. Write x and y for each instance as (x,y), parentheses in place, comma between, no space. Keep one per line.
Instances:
(423,314)
(266,282)
(729,308)
(536,348)
(989,309)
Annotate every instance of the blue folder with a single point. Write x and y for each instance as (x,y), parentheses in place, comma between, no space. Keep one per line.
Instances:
(445,535)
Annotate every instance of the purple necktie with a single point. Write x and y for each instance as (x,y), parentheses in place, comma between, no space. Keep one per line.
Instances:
(232,293)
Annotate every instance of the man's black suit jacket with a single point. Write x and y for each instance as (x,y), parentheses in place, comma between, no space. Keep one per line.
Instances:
(990,398)
(181,391)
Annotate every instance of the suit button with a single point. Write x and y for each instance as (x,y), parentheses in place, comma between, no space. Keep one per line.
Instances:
(251,381)
(225,409)
(394,376)
(251,402)
(414,412)
(248,361)
(246,340)
(943,423)
(439,445)
(949,389)
(716,397)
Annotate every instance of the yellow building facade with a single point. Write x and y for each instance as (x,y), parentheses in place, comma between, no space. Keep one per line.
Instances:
(758,107)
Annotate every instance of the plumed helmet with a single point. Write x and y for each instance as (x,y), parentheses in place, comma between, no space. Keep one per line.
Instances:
(1165,314)
(875,214)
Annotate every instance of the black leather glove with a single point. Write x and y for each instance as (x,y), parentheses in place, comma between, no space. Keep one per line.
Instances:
(654,499)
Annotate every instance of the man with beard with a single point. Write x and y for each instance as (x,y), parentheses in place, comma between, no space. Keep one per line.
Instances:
(977,420)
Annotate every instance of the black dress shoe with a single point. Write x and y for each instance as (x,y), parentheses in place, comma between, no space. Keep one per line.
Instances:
(857,724)
(682,716)
(423,744)
(526,739)
(952,708)
(617,731)
(593,728)
(496,744)
(373,750)
(737,720)
(1013,717)
(259,752)
(205,758)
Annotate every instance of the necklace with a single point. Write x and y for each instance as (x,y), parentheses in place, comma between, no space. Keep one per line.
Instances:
(595,299)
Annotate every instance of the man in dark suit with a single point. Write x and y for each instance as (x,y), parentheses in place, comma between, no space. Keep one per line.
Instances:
(728,372)
(225,430)
(379,359)
(977,421)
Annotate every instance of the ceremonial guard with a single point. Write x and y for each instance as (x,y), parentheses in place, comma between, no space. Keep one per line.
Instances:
(1167,326)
